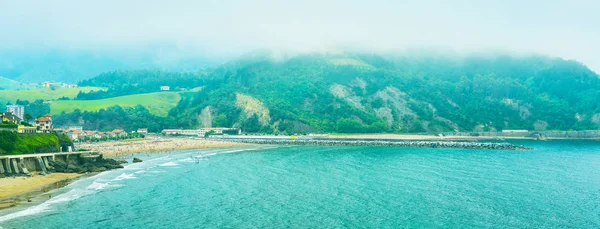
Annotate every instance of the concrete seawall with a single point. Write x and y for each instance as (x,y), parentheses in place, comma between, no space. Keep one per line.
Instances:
(26,163)
(416,144)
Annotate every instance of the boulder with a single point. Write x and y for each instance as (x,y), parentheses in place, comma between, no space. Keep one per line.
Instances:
(98,169)
(136,160)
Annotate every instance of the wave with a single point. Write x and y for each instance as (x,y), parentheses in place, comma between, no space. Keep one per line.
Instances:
(169,164)
(45,206)
(125,176)
(97,186)
(186,160)
(238,150)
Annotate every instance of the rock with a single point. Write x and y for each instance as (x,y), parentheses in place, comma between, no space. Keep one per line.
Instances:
(98,169)
(122,161)
(136,160)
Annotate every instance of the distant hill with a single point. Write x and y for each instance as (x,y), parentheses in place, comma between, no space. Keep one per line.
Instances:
(363,92)
(353,92)
(72,66)
(8,84)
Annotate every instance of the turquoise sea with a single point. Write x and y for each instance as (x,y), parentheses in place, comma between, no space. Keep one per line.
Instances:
(557,185)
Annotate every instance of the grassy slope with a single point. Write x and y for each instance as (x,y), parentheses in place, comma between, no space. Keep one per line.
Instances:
(42,93)
(8,83)
(36,143)
(158,103)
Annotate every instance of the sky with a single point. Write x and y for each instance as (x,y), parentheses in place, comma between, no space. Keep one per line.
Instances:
(568,29)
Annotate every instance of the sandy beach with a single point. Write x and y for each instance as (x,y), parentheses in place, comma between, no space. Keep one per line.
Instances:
(122,148)
(16,189)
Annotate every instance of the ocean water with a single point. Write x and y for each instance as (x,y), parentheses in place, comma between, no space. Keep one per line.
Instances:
(557,185)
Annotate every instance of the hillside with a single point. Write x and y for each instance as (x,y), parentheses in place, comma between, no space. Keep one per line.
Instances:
(158,103)
(42,93)
(8,84)
(372,93)
(356,92)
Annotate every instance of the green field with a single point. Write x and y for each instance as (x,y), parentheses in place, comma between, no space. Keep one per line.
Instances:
(42,93)
(158,103)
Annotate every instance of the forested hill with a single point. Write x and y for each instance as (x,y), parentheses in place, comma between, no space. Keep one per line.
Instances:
(357,93)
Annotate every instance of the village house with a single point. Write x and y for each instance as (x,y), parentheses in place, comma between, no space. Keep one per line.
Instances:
(171,131)
(10,117)
(119,133)
(110,134)
(92,134)
(44,123)
(143,131)
(48,84)
(165,88)
(22,129)
(75,134)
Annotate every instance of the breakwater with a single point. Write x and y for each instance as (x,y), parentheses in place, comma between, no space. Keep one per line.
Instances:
(415,144)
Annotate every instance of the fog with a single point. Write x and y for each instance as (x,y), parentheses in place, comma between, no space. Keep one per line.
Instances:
(567,29)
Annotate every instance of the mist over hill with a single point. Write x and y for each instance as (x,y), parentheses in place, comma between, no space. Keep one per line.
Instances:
(74,65)
(362,92)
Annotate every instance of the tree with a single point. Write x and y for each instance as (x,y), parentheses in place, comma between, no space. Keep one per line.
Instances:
(28,117)
(207,134)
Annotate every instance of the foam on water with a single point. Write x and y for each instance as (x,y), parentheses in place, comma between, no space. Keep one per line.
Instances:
(45,206)
(169,164)
(125,176)
(186,160)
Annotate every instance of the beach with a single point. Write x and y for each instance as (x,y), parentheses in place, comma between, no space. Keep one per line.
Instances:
(21,188)
(17,189)
(123,148)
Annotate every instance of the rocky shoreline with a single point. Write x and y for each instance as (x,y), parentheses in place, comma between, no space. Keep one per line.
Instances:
(86,165)
(415,144)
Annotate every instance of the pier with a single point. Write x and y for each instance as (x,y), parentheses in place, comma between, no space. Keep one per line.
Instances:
(389,143)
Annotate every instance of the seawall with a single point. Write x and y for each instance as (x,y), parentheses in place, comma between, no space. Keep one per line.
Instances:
(72,162)
(416,144)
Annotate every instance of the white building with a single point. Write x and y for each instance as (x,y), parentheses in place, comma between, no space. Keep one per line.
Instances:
(165,88)
(515,131)
(199,132)
(216,130)
(16,110)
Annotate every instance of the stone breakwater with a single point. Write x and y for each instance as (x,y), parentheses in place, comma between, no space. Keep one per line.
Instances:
(416,144)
